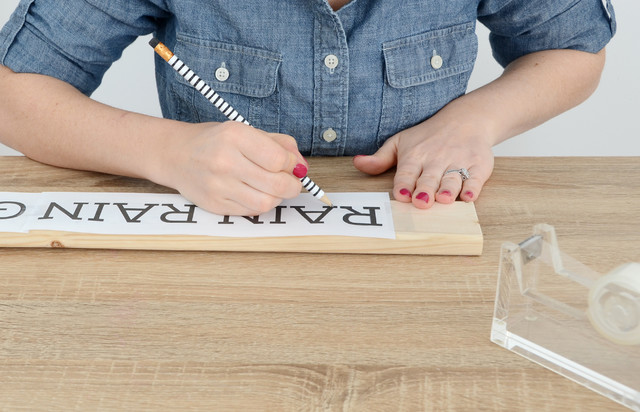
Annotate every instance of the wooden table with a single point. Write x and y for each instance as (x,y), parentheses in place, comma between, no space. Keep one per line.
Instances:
(139,330)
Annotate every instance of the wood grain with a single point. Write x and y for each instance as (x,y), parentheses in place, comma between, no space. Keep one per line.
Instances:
(108,329)
(443,230)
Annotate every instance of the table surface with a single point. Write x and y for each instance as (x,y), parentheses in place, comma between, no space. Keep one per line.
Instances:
(135,330)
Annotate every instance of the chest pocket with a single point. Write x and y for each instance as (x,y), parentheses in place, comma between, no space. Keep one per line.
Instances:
(245,77)
(423,73)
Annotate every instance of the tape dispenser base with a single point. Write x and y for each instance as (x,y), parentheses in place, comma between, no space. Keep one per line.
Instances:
(559,313)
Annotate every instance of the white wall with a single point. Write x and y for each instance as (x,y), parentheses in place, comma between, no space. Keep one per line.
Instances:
(606,125)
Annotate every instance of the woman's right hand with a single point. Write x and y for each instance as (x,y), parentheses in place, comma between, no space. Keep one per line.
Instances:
(233,169)
(225,168)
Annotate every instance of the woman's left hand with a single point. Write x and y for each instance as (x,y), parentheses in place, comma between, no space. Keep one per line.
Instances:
(531,90)
(423,155)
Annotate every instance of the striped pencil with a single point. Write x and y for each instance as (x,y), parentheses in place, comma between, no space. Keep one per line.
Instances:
(226,109)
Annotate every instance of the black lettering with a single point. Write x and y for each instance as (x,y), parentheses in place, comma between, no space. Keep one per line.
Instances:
(189,214)
(98,215)
(371,218)
(21,209)
(253,219)
(321,214)
(226,221)
(73,216)
(136,219)
(278,218)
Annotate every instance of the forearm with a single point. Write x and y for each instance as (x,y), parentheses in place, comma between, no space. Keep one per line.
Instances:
(225,168)
(531,90)
(50,121)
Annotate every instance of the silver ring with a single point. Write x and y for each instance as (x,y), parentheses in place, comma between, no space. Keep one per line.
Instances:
(464,173)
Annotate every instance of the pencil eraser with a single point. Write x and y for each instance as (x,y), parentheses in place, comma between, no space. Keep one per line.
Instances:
(154,42)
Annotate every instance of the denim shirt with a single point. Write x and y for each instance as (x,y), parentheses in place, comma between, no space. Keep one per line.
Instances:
(340,82)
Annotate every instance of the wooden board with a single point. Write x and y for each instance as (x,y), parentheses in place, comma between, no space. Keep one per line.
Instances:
(127,330)
(442,230)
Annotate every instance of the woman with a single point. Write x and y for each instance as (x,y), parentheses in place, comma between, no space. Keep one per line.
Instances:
(382,81)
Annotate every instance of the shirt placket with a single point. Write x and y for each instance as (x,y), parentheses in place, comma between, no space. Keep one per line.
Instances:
(331,83)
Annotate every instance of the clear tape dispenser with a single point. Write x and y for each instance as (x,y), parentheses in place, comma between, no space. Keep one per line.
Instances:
(557,312)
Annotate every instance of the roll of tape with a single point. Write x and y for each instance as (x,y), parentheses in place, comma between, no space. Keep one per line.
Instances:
(614,305)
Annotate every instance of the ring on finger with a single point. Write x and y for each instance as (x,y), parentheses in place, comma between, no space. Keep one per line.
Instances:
(464,173)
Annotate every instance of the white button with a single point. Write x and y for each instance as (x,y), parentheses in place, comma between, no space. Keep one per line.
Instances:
(436,61)
(329,135)
(222,74)
(331,61)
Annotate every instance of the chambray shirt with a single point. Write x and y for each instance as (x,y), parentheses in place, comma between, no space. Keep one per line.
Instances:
(340,82)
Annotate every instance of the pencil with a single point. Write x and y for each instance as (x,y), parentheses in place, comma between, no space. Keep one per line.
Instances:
(226,109)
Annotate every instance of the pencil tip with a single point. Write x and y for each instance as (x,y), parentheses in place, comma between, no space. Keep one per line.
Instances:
(154,42)
(326,200)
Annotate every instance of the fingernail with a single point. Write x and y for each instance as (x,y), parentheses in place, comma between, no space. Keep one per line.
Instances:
(423,196)
(445,193)
(405,192)
(300,171)
(469,194)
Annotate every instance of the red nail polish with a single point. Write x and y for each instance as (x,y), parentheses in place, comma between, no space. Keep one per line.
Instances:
(469,195)
(405,192)
(423,196)
(445,193)
(300,171)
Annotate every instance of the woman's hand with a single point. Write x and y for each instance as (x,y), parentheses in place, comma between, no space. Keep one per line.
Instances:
(233,169)
(226,168)
(531,90)
(423,154)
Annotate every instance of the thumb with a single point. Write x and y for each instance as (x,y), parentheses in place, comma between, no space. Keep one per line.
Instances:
(381,161)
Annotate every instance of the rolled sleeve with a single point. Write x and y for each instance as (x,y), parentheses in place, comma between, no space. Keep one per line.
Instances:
(74,40)
(519,27)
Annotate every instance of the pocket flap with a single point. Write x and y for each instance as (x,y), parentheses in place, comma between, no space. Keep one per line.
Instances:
(408,60)
(251,71)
